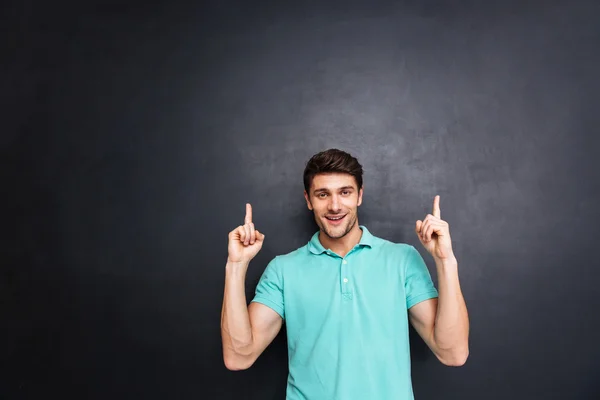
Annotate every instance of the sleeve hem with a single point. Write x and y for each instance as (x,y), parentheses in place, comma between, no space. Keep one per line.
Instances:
(271,304)
(421,297)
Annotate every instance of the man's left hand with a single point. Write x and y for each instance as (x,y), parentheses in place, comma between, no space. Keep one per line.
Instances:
(434,234)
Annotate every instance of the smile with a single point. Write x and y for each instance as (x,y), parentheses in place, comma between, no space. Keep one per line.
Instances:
(335,219)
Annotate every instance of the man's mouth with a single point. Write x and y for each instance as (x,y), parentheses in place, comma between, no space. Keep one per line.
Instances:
(335,219)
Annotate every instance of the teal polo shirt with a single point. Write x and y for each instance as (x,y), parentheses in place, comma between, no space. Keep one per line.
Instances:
(347,317)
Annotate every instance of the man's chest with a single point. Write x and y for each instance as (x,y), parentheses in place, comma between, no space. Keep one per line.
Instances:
(333,293)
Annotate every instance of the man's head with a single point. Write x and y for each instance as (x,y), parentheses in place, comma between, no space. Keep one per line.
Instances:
(333,189)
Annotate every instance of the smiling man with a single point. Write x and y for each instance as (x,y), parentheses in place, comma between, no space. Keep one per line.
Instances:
(347,297)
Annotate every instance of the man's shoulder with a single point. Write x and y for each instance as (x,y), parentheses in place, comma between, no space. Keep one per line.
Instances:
(294,255)
(391,246)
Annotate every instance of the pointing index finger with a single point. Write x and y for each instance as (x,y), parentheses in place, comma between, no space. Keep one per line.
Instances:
(248,218)
(436,207)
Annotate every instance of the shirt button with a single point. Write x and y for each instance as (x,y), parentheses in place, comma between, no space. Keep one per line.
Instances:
(344,262)
(345,280)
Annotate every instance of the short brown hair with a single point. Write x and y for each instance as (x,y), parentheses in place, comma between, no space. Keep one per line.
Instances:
(332,160)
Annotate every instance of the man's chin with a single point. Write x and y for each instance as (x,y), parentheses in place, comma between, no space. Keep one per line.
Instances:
(336,234)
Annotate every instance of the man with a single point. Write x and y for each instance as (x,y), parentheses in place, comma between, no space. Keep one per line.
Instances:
(347,296)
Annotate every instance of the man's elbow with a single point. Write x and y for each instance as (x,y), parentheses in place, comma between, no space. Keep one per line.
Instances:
(238,363)
(456,358)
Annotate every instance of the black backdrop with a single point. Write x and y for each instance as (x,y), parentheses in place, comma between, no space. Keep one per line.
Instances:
(133,135)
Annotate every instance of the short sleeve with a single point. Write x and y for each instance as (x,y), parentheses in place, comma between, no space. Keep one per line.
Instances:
(417,284)
(269,290)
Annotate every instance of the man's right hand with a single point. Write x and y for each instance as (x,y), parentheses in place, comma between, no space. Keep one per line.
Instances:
(244,241)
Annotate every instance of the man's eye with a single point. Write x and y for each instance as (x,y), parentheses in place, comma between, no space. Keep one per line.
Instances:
(346,192)
(322,195)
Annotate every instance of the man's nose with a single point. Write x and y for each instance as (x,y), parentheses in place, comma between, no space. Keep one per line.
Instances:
(334,204)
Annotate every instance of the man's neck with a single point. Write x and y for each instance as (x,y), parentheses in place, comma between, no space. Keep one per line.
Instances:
(344,244)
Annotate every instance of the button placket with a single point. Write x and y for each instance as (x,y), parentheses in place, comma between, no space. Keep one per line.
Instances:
(345,282)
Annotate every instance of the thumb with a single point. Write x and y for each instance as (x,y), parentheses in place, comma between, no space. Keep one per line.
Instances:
(260,236)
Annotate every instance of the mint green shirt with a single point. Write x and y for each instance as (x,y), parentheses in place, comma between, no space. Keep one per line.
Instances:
(347,317)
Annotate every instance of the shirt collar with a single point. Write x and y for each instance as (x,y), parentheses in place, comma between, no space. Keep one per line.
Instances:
(315,246)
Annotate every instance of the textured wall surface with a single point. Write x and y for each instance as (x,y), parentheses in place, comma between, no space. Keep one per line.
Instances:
(133,135)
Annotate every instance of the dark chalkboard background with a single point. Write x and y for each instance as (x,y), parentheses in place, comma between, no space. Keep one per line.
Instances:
(133,134)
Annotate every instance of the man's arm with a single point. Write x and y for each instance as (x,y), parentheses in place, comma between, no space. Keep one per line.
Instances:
(443,323)
(246,331)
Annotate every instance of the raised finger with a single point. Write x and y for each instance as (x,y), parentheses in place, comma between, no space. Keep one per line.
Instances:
(436,207)
(248,218)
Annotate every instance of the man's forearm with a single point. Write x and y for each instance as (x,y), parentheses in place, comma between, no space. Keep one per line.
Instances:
(451,329)
(236,330)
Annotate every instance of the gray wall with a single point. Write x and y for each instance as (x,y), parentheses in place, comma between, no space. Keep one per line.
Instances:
(133,136)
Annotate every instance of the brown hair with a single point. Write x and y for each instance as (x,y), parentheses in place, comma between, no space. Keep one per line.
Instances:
(332,160)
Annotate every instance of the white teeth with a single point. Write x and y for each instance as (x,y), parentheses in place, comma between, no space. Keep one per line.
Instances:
(335,219)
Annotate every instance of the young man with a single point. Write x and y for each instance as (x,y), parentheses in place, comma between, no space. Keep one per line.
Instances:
(346,296)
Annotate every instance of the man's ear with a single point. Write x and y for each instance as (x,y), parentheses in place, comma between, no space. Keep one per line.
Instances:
(308,201)
(360,194)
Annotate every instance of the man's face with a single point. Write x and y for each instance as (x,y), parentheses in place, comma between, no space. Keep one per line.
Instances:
(334,195)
